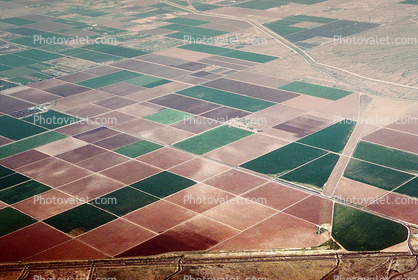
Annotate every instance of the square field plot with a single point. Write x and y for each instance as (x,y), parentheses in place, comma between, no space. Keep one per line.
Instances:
(226,98)
(11,220)
(15,129)
(316,90)
(80,219)
(167,116)
(124,201)
(283,159)
(164,184)
(212,139)
(138,149)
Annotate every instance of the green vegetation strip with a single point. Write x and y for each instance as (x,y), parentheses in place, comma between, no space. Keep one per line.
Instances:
(375,175)
(360,231)
(316,90)
(226,98)
(15,129)
(22,191)
(212,139)
(30,143)
(283,159)
(168,116)
(332,138)
(410,188)
(387,156)
(109,79)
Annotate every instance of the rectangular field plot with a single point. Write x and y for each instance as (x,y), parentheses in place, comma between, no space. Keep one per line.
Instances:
(11,180)
(261,5)
(316,90)
(186,21)
(51,119)
(300,18)
(204,48)
(332,138)
(138,149)
(212,139)
(163,184)
(12,220)
(356,230)
(283,159)
(80,219)
(97,57)
(29,143)
(226,98)
(282,29)
(314,174)
(17,21)
(15,129)
(126,200)
(375,175)
(387,156)
(115,50)
(109,79)
(16,61)
(254,57)
(147,81)
(22,191)
(38,55)
(168,116)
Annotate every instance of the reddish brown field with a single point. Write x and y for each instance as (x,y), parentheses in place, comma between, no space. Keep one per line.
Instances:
(130,172)
(165,157)
(394,139)
(199,169)
(314,209)
(279,231)
(116,237)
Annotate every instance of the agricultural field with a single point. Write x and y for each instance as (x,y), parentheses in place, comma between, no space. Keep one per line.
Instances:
(136,141)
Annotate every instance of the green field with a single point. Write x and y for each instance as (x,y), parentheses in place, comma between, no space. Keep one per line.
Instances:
(124,201)
(410,188)
(360,231)
(29,143)
(14,73)
(226,98)
(186,21)
(175,26)
(11,180)
(204,48)
(163,184)
(283,159)
(12,220)
(316,90)
(168,116)
(375,175)
(301,18)
(332,138)
(97,57)
(17,21)
(51,119)
(204,31)
(387,156)
(204,7)
(261,5)
(147,81)
(138,149)
(115,50)
(254,57)
(109,79)
(283,29)
(22,191)
(212,139)
(15,61)
(15,129)
(38,55)
(314,174)
(185,36)
(80,219)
